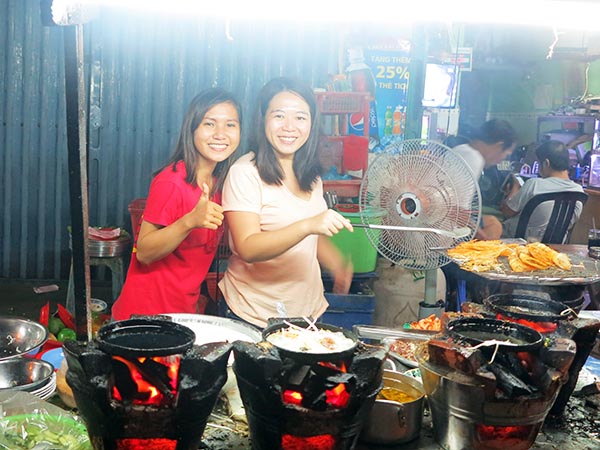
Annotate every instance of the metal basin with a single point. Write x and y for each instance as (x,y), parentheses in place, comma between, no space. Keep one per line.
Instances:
(24,374)
(20,337)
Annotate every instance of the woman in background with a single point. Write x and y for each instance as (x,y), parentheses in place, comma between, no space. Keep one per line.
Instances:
(182,222)
(277,217)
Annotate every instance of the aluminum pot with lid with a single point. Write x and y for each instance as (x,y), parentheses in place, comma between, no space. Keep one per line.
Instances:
(391,422)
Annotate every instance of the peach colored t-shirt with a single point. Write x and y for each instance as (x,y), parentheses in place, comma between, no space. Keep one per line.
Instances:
(252,291)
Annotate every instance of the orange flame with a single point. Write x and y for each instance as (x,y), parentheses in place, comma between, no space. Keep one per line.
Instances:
(149,393)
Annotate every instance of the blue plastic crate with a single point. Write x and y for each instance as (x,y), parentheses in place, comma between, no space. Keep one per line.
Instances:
(355,308)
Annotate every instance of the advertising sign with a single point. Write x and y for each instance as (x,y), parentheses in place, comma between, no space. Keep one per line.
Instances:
(390,69)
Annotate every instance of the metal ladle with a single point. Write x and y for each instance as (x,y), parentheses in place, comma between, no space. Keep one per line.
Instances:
(456,233)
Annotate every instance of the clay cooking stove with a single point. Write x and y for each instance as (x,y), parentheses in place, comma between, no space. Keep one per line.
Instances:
(305,401)
(143,384)
(485,394)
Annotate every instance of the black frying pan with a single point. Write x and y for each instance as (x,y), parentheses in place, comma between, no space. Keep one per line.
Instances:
(528,307)
(145,337)
(474,331)
(274,325)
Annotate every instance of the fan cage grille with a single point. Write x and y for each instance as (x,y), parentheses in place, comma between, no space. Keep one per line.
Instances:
(419,183)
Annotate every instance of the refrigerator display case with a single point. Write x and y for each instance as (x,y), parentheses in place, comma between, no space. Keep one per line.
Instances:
(594,180)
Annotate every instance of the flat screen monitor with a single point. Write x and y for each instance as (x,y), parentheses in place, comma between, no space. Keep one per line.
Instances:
(441,85)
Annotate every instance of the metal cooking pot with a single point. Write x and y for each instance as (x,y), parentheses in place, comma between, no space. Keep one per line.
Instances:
(390,422)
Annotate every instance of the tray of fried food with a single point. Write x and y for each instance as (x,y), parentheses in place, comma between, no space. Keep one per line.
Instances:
(497,259)
(430,323)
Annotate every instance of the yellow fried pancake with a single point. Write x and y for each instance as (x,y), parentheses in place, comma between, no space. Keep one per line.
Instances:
(542,252)
(562,261)
(516,264)
(534,262)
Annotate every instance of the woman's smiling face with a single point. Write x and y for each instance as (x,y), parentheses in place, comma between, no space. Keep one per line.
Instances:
(287,123)
(218,134)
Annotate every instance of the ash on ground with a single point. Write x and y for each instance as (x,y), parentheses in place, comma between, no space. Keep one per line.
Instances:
(580,422)
(578,428)
(224,431)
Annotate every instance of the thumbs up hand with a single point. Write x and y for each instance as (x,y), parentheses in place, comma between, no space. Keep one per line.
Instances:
(206,213)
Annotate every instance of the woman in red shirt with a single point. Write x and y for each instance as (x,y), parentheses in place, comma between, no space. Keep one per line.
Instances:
(182,222)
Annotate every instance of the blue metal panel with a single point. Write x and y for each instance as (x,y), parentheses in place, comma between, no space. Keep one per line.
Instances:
(143,70)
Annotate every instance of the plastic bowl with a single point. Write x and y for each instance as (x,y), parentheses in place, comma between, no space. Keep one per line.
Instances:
(20,337)
(98,306)
(24,374)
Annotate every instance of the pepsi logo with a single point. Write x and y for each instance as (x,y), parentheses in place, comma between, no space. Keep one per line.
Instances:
(356,122)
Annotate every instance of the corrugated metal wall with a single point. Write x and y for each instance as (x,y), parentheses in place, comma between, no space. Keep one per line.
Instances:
(143,70)
(34,189)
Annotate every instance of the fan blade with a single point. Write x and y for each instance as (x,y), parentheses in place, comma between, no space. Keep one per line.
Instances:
(457,233)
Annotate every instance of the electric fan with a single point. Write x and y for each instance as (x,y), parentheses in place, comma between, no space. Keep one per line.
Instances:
(423,185)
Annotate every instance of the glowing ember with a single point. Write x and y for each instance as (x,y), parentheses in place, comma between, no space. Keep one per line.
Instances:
(323,442)
(147,444)
(542,327)
(338,397)
(292,397)
(490,437)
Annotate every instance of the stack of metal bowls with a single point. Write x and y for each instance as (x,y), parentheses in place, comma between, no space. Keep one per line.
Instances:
(20,339)
(28,374)
(109,248)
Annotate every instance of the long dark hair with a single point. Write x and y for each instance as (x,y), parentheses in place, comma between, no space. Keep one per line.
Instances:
(307,167)
(186,151)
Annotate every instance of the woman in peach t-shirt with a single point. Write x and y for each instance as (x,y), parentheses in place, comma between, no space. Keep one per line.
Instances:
(278,221)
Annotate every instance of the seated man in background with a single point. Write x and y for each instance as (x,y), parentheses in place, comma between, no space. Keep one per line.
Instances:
(492,143)
(553,157)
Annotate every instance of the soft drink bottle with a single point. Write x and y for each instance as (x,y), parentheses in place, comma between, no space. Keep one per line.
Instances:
(387,130)
(397,121)
(362,80)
